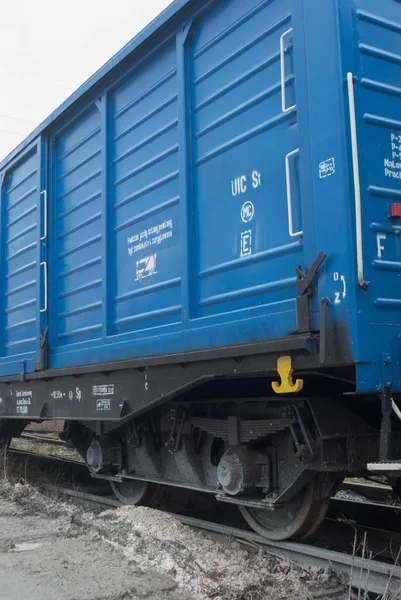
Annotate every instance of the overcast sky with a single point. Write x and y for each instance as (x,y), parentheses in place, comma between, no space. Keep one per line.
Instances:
(48,48)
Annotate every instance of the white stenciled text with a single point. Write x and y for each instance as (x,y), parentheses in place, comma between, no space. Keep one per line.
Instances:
(150,236)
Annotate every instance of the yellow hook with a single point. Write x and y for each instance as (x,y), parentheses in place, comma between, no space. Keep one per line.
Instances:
(287,385)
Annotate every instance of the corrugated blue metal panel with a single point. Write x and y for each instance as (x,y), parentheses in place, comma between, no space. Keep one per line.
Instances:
(192,228)
(20,218)
(146,230)
(76,247)
(379,131)
(245,255)
(377,35)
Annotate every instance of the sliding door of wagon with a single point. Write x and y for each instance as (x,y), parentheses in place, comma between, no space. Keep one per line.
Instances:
(22,291)
(249,238)
(76,251)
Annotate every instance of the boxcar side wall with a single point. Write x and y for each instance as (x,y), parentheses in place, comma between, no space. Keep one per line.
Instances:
(169,214)
(183,194)
(184,189)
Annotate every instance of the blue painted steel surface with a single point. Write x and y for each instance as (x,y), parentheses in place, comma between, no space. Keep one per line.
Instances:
(19,257)
(20,260)
(169,176)
(76,235)
(377,35)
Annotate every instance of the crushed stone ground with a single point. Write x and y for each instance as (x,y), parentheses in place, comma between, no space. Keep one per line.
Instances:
(61,552)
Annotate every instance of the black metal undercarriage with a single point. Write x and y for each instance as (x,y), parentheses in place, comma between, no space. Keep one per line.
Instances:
(210,421)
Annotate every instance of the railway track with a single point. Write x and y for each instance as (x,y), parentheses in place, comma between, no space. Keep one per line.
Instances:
(361,572)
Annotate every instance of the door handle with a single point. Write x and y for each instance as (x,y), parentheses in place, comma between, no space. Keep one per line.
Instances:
(44,236)
(289,193)
(44,265)
(357,184)
(284,108)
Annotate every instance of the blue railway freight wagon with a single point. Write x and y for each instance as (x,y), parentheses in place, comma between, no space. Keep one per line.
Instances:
(200,258)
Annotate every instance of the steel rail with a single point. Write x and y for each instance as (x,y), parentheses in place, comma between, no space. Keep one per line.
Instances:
(46,457)
(44,439)
(39,431)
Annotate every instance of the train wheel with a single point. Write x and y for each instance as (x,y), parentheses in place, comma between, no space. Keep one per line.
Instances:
(299,519)
(135,492)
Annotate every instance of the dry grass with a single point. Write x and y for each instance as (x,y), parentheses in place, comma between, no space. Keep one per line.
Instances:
(361,547)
